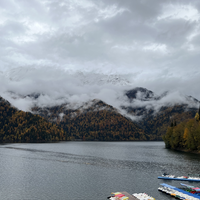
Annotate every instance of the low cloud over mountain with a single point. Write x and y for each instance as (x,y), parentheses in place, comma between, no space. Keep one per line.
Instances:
(47,87)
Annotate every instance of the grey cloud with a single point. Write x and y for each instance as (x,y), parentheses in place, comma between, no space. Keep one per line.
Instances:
(4,5)
(56,87)
(174,32)
(140,10)
(109,37)
(12,28)
(129,31)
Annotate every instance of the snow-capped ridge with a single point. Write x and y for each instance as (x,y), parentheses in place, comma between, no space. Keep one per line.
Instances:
(47,87)
(54,74)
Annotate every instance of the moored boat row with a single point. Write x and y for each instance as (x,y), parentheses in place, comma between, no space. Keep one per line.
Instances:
(190,193)
(177,193)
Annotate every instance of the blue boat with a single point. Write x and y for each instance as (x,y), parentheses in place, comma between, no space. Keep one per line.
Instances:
(180,178)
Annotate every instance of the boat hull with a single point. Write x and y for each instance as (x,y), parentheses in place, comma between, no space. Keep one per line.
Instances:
(178,179)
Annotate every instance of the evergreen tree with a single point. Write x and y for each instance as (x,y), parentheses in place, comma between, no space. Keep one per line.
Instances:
(199,110)
(175,123)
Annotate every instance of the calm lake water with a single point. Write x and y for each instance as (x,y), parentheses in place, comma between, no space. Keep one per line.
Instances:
(89,170)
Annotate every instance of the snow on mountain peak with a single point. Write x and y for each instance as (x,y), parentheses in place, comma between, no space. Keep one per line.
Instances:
(25,87)
(50,73)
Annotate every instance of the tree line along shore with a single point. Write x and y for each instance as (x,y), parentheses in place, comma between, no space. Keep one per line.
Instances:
(103,125)
(185,136)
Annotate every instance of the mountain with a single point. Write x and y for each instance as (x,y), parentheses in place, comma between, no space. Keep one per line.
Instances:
(140,93)
(157,114)
(93,105)
(94,120)
(19,126)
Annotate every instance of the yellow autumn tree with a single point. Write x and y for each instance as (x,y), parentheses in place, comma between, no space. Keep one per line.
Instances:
(197,117)
(185,136)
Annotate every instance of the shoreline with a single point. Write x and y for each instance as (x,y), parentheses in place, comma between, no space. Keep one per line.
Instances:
(186,151)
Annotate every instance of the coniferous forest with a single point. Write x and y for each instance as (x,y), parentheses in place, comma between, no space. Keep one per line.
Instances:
(184,136)
(100,122)
(19,126)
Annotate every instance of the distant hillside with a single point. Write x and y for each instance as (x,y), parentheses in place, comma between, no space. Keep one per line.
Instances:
(99,121)
(156,124)
(154,121)
(102,122)
(19,126)
(96,120)
(139,114)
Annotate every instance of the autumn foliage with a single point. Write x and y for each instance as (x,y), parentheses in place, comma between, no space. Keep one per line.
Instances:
(98,121)
(184,136)
(94,124)
(19,126)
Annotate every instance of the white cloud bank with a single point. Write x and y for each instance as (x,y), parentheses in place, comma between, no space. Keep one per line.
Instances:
(46,87)
(153,44)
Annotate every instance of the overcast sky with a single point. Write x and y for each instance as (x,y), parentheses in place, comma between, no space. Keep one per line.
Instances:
(156,42)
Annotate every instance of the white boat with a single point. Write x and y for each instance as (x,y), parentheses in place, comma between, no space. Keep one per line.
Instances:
(126,196)
(143,196)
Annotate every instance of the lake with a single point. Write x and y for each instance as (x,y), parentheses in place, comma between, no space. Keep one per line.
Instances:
(89,170)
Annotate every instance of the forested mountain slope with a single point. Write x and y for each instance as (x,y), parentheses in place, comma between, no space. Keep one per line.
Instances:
(155,114)
(156,124)
(142,116)
(96,122)
(19,126)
